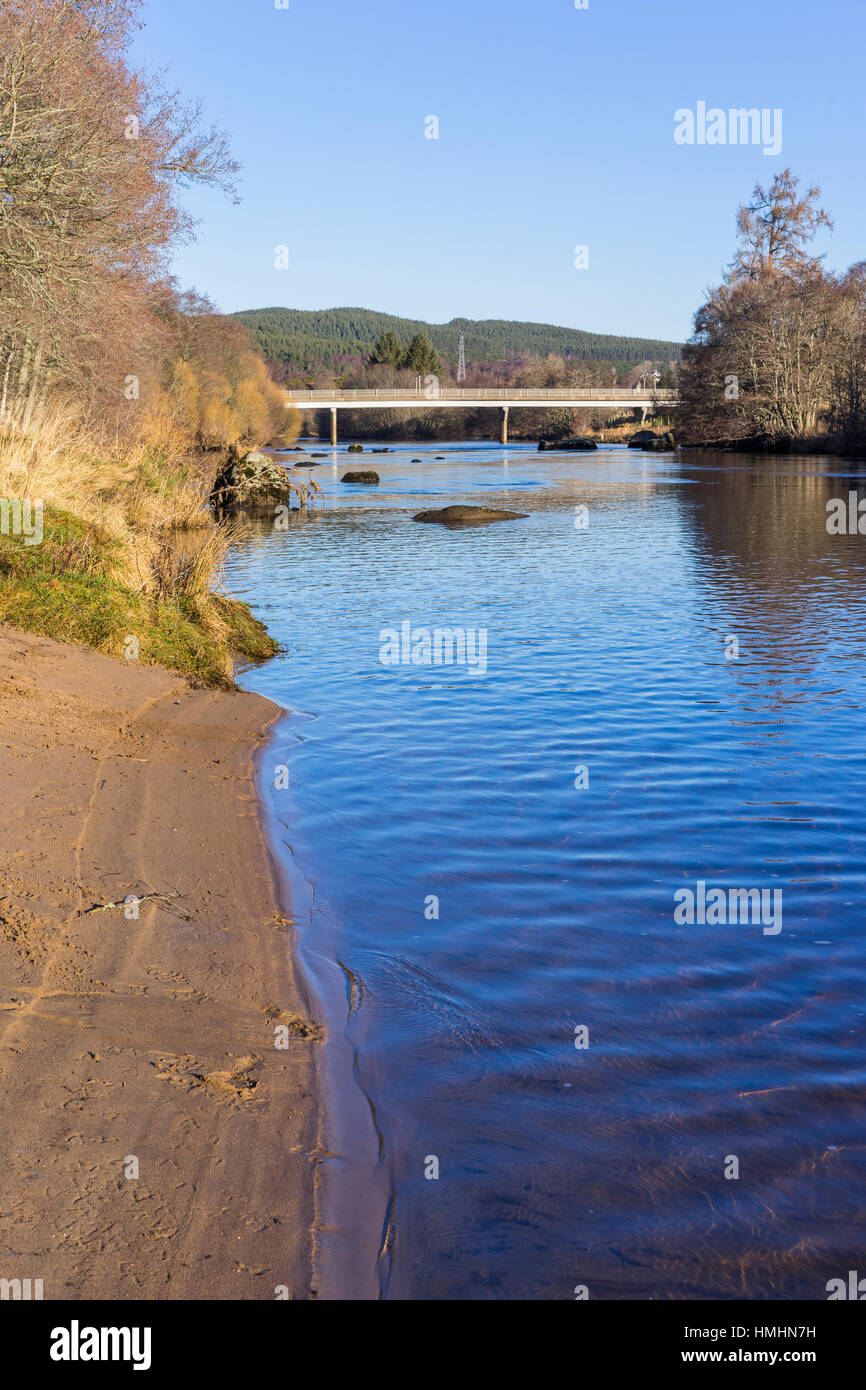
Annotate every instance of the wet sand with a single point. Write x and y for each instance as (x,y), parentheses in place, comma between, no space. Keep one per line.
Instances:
(154,1142)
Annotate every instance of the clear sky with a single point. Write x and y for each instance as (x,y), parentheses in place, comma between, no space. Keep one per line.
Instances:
(556,129)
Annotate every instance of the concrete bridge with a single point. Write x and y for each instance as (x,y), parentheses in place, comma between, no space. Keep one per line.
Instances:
(429,396)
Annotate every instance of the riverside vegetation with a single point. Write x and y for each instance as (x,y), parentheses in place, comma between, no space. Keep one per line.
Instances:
(778,357)
(119,394)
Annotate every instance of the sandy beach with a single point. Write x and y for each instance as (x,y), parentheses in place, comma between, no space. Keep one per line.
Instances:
(156,1143)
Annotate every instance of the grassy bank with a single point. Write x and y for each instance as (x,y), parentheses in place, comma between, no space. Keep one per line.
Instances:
(125,556)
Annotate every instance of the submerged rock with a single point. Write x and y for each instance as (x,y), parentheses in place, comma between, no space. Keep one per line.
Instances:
(355,449)
(576,441)
(367,476)
(467,516)
(250,483)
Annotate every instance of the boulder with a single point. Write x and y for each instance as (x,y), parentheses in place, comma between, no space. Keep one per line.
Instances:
(380,451)
(576,441)
(665,443)
(250,483)
(648,439)
(367,476)
(467,516)
(355,449)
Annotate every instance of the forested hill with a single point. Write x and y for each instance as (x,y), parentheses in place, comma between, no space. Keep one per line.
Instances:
(305,338)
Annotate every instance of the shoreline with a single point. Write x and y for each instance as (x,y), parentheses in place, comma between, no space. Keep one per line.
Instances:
(353,1196)
(157,1143)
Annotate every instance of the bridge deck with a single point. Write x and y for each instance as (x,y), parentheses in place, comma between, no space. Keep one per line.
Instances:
(473,396)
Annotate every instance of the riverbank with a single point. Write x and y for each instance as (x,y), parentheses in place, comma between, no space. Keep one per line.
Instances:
(817,446)
(156,1142)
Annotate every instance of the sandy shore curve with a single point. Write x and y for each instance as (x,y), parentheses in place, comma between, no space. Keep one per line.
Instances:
(158,1119)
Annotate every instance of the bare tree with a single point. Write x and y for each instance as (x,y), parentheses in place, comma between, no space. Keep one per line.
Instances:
(778,347)
(92,156)
(848,391)
(776,226)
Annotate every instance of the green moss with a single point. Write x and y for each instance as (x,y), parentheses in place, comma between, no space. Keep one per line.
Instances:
(246,635)
(63,589)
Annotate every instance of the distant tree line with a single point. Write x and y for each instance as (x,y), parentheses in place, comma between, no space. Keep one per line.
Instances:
(302,343)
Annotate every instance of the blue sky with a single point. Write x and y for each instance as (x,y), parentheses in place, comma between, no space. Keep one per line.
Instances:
(555,130)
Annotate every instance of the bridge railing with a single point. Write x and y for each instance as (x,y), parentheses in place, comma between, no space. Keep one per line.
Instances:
(511,395)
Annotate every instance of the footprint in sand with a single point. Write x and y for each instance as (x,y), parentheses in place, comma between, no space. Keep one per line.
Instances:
(299,1027)
(190,1073)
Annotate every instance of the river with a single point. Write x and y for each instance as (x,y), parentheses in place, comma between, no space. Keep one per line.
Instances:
(545,1081)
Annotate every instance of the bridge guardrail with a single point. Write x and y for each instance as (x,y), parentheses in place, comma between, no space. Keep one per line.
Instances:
(506,396)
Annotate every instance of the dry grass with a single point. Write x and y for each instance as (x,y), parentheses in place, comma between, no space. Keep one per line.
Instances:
(624,430)
(190,565)
(137,501)
(129,538)
(35,463)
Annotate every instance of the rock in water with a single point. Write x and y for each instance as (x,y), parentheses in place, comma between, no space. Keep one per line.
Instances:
(576,441)
(665,442)
(467,516)
(362,477)
(251,483)
(648,439)
(355,449)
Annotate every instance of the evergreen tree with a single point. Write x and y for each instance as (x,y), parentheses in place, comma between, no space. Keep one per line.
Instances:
(422,357)
(388,350)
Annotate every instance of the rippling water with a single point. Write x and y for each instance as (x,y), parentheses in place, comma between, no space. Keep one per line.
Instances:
(608,649)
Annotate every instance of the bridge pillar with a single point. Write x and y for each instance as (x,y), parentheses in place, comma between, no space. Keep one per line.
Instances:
(334,426)
(503,420)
